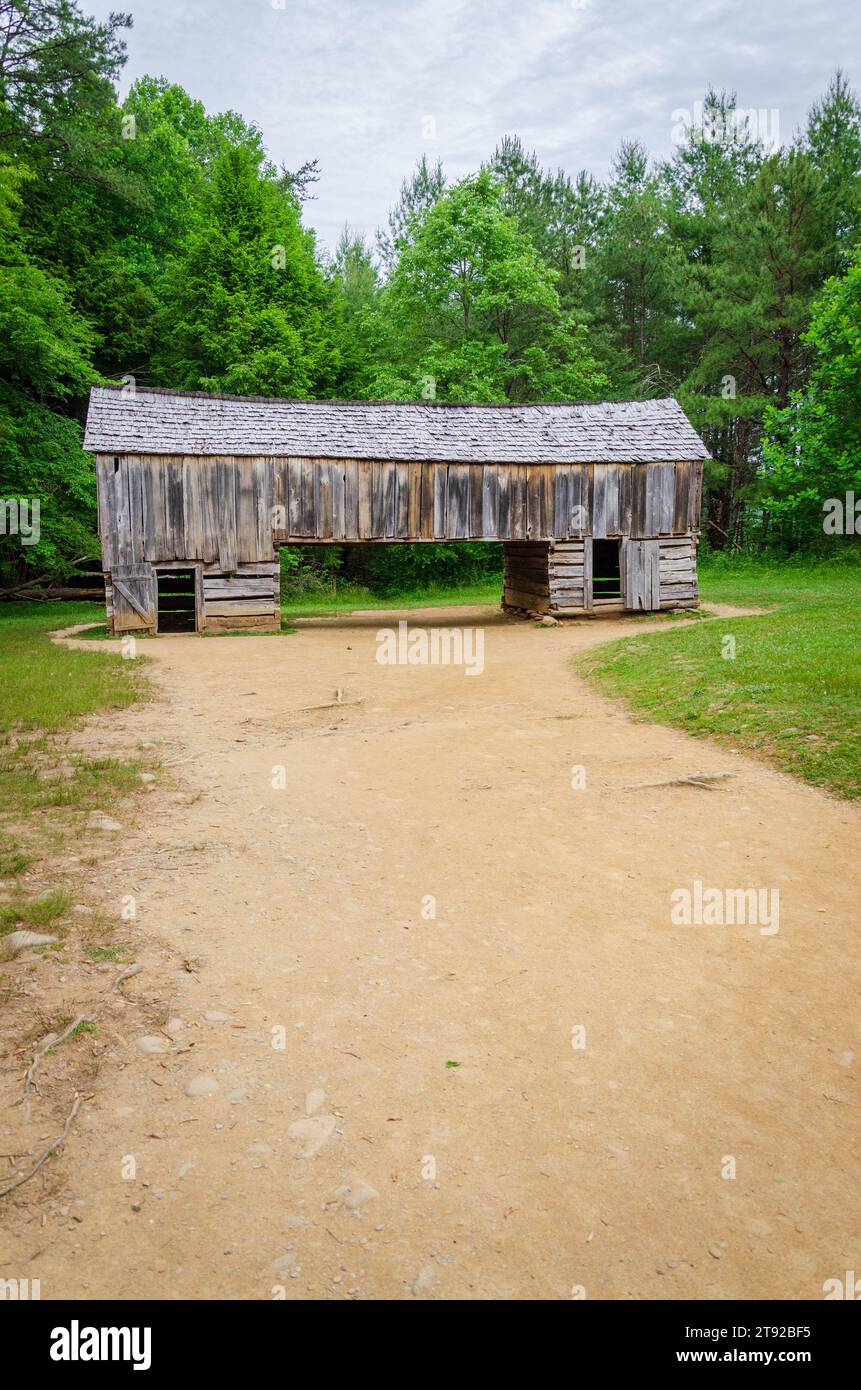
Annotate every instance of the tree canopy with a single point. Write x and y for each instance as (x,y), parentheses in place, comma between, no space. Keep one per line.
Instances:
(150,240)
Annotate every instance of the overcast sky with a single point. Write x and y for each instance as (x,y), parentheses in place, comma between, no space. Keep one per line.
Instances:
(367,86)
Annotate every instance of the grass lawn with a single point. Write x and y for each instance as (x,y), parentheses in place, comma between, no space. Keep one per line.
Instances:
(791,693)
(45,686)
(47,788)
(349,598)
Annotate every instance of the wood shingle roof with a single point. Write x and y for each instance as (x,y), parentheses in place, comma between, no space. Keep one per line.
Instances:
(150,421)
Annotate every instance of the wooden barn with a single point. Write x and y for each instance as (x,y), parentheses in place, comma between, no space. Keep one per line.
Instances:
(597,505)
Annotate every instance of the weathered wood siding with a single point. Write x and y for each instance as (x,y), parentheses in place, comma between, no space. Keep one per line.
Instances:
(131,600)
(228,516)
(526,577)
(678,572)
(638,567)
(548,577)
(249,597)
(157,510)
(232,512)
(570,575)
(556,576)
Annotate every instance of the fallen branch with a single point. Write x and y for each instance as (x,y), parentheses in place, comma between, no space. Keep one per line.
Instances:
(61,591)
(735,545)
(55,1144)
(39,579)
(332,704)
(694,779)
(76,1023)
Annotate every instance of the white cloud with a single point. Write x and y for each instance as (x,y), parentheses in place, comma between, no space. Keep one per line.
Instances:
(351,81)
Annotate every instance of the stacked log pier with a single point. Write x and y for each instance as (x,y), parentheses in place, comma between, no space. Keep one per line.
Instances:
(567,564)
(525,577)
(678,572)
(544,577)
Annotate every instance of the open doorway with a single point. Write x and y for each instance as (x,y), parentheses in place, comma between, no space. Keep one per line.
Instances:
(606,575)
(177,604)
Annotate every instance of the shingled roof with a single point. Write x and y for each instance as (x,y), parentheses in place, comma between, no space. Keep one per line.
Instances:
(150,421)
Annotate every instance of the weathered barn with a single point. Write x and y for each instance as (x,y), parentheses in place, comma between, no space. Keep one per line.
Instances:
(597,505)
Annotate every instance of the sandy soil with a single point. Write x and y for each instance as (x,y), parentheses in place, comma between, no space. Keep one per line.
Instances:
(355,1161)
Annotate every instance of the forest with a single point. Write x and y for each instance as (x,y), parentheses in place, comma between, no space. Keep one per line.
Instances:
(145,241)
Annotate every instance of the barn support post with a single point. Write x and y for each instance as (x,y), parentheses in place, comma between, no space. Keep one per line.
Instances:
(677,564)
(526,577)
(548,577)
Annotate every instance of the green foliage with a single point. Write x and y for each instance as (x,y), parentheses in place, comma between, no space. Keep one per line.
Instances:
(758,230)
(44,358)
(813,446)
(833,139)
(317,570)
(393,569)
(473,313)
(348,597)
(418,195)
(151,239)
(41,457)
(246,309)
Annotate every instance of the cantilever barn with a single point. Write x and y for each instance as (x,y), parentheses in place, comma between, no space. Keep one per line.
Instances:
(597,505)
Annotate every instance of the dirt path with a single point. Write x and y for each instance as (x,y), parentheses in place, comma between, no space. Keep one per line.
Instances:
(356,1161)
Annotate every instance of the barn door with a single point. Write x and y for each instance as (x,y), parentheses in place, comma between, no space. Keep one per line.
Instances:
(135,600)
(640,575)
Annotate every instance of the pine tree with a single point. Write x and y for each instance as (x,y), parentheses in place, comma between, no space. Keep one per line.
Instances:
(246,308)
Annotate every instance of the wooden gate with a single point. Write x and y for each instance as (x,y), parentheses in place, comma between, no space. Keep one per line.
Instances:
(640,572)
(135,600)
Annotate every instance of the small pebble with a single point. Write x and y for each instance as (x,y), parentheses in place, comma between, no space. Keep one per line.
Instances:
(201,1086)
(424,1280)
(313,1100)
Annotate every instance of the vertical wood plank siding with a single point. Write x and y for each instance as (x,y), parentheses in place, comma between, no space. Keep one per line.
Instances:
(235,510)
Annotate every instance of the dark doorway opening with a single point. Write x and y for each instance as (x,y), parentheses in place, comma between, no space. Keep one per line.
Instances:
(177,604)
(606,576)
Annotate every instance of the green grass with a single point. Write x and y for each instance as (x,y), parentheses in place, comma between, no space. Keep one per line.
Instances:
(35,913)
(792,692)
(12,861)
(46,788)
(111,954)
(45,687)
(348,598)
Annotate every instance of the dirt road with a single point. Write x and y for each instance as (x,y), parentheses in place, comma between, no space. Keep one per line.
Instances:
(454,1043)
